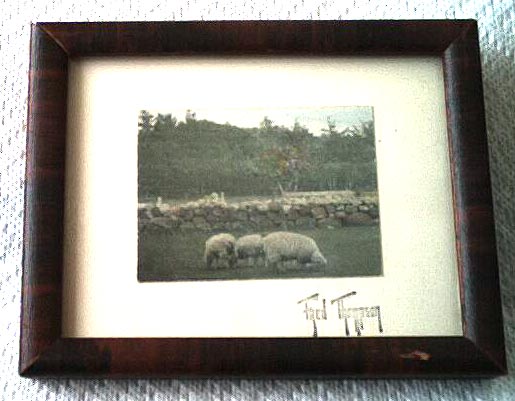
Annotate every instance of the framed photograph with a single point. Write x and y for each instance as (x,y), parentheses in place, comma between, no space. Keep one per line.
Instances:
(231,193)
(279,199)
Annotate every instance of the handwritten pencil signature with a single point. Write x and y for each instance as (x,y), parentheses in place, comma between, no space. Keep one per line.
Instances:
(315,309)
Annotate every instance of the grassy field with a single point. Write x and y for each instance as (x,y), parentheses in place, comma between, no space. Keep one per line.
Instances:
(350,251)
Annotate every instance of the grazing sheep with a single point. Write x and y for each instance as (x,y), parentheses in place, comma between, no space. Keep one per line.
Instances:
(286,247)
(250,249)
(219,251)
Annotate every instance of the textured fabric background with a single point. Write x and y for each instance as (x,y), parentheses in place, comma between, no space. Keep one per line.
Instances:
(496,22)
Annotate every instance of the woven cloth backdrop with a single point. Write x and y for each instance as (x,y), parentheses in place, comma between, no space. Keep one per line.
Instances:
(497,35)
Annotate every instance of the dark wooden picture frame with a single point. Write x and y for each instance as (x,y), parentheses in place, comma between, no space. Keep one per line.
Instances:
(44,352)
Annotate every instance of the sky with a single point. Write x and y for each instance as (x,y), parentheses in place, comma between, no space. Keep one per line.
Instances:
(313,118)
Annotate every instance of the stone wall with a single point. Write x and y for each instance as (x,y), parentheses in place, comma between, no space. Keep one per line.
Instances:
(325,210)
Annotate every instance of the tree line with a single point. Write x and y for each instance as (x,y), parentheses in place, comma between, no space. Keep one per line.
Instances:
(194,158)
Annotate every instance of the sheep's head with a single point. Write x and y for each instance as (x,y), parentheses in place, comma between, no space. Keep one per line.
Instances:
(231,252)
(261,247)
(229,247)
(318,259)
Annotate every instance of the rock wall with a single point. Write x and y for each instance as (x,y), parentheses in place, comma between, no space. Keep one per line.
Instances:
(283,213)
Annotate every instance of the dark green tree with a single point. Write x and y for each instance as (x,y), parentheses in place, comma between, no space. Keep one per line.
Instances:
(202,157)
(145,122)
(266,125)
(165,123)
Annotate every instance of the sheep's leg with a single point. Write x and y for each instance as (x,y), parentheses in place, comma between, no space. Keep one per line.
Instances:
(272,264)
(209,261)
(281,265)
(260,260)
(239,262)
(278,267)
(240,259)
(225,262)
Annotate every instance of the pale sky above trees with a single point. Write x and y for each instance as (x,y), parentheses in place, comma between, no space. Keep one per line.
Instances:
(313,118)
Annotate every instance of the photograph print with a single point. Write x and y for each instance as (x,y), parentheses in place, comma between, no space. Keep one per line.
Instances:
(257,193)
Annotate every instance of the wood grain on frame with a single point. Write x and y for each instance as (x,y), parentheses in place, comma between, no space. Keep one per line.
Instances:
(44,198)
(44,353)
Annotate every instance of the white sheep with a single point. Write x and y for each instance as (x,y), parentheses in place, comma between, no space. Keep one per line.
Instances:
(219,251)
(250,249)
(286,247)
